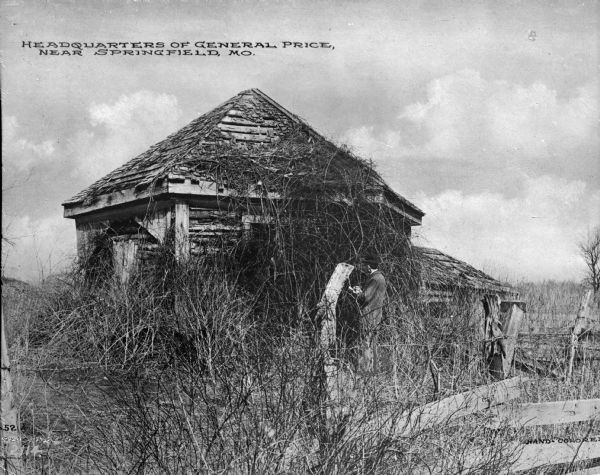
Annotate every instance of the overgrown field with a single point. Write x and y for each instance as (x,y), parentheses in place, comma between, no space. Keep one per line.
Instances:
(192,374)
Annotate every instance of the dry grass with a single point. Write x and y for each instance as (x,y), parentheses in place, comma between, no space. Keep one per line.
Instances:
(233,398)
(551,306)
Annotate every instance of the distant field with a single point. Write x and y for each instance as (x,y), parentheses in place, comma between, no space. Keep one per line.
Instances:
(551,306)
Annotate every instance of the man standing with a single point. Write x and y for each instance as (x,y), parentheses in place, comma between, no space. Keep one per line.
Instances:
(371,312)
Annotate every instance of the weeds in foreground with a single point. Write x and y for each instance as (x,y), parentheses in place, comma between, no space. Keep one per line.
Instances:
(199,385)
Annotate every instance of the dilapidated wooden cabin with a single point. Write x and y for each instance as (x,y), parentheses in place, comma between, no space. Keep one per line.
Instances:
(186,187)
(185,191)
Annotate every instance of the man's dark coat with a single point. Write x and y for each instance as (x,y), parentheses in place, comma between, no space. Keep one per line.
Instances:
(371,301)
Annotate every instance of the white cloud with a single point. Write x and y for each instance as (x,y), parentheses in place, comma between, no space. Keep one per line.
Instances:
(39,247)
(371,144)
(122,130)
(532,235)
(466,117)
(20,153)
(146,109)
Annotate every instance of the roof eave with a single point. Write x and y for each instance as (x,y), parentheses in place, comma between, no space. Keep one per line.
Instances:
(112,200)
(173,187)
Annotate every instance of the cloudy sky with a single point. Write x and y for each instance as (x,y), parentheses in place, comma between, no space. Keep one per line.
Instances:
(485,114)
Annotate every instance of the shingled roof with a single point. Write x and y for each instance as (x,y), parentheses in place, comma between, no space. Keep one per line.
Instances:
(250,119)
(440,271)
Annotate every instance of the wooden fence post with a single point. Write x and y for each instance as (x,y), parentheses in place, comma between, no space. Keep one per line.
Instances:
(512,313)
(577,329)
(9,419)
(181,214)
(326,311)
(494,338)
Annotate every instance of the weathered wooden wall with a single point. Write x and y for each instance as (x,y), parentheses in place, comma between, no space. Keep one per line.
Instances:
(86,232)
(193,226)
(137,234)
(133,236)
(212,229)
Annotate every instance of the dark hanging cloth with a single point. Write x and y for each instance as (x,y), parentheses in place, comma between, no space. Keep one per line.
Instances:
(371,313)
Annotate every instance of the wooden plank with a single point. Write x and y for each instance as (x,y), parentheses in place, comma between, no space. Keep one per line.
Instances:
(577,329)
(85,234)
(203,187)
(494,349)
(182,230)
(243,129)
(236,120)
(235,113)
(541,413)
(587,471)
(448,410)
(530,456)
(214,230)
(125,212)
(215,227)
(194,222)
(115,198)
(213,239)
(512,315)
(536,455)
(12,449)
(582,314)
(256,219)
(326,311)
(205,250)
(250,137)
(210,214)
(124,258)
(203,190)
(328,302)
(459,405)
(156,224)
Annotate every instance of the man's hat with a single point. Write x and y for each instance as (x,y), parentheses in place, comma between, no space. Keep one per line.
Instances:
(371,259)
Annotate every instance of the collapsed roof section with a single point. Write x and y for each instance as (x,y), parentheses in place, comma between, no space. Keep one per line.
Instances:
(441,273)
(250,125)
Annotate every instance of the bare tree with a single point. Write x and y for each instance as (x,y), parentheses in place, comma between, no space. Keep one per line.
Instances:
(590,251)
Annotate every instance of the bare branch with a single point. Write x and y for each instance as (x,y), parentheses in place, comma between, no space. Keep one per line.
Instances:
(589,249)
